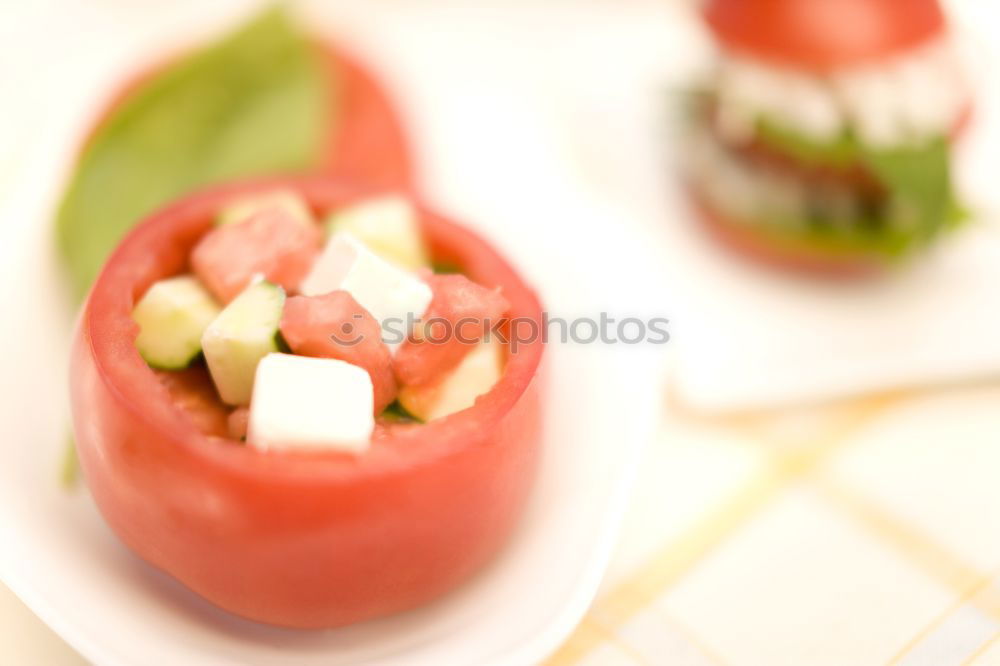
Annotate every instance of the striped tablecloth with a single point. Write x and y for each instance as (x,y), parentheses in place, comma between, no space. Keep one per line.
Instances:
(863,533)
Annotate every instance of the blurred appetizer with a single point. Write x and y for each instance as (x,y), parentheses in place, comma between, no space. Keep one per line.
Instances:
(279,402)
(821,139)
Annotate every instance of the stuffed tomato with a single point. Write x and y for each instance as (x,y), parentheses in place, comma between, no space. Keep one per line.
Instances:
(247,421)
(821,140)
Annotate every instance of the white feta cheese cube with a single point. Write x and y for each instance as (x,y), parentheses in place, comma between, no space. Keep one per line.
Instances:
(810,107)
(310,404)
(873,105)
(395,297)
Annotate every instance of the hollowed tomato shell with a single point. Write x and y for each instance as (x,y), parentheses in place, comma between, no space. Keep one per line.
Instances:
(298,540)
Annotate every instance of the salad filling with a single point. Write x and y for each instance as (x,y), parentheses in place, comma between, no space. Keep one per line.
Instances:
(303,340)
(841,160)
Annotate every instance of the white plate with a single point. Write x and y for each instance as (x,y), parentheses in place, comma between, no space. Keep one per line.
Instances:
(61,559)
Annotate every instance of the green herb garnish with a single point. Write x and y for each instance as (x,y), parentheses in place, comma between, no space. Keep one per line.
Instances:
(919,199)
(445,267)
(257,102)
(69,470)
(396,413)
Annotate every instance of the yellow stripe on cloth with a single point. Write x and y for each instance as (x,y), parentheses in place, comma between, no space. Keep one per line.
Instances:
(676,558)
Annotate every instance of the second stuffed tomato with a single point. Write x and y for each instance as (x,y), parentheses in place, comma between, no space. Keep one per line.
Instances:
(272,524)
(822,148)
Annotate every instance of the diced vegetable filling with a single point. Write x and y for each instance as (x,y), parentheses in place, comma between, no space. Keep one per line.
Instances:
(388,226)
(457,319)
(243,333)
(284,202)
(172,316)
(238,422)
(454,391)
(335,326)
(847,160)
(271,243)
(367,332)
(394,296)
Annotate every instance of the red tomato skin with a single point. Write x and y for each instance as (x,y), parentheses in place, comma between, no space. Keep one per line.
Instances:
(315,326)
(368,143)
(271,243)
(237,423)
(468,307)
(303,541)
(823,35)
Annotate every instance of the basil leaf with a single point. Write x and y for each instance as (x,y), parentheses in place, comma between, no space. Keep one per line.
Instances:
(396,413)
(918,181)
(916,177)
(838,151)
(257,102)
(69,469)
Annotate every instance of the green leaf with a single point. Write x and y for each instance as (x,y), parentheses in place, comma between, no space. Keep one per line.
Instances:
(839,151)
(916,176)
(396,413)
(257,102)
(918,180)
(69,469)
(446,267)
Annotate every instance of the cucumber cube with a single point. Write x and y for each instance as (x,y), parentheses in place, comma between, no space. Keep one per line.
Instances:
(172,315)
(244,332)
(246,207)
(388,225)
(475,375)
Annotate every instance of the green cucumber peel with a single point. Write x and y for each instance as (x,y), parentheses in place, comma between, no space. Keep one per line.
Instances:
(396,413)
(244,332)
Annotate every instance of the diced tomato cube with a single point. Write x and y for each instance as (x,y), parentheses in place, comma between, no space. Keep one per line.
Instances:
(457,318)
(272,243)
(239,421)
(334,325)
